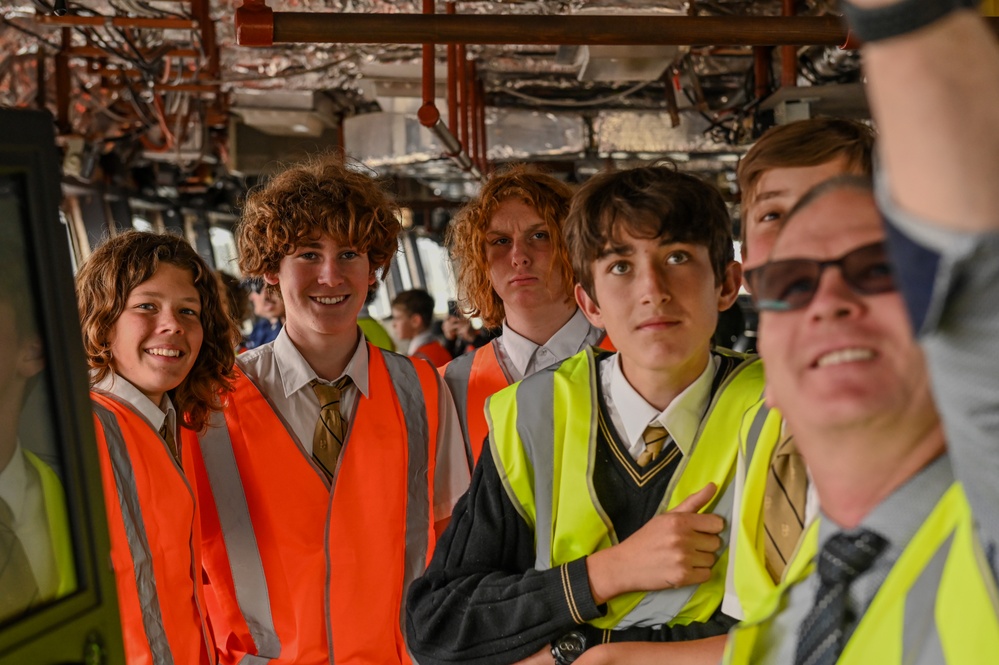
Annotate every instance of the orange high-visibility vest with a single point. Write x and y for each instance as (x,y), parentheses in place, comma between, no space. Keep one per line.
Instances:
(302,575)
(434,352)
(473,377)
(155,538)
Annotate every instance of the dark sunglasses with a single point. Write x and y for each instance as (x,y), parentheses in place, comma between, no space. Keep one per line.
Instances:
(781,286)
(253,284)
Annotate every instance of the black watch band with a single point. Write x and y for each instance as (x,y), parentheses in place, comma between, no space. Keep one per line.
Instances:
(872,24)
(568,648)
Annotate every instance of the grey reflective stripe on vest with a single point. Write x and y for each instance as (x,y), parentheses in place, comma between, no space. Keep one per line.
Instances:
(409,390)
(755,430)
(240,541)
(659,607)
(457,376)
(920,637)
(135,533)
(536,427)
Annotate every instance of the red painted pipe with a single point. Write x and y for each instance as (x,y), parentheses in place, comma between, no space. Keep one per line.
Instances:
(788,54)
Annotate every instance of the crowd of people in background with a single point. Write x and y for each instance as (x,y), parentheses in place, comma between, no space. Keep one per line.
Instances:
(597,480)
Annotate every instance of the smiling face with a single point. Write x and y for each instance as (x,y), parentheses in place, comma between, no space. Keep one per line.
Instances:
(519,253)
(323,285)
(156,340)
(775,194)
(658,300)
(845,360)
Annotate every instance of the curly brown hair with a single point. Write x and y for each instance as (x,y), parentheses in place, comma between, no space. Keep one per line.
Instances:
(321,195)
(649,202)
(466,238)
(102,287)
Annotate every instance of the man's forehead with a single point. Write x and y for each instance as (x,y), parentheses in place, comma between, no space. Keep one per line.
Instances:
(842,218)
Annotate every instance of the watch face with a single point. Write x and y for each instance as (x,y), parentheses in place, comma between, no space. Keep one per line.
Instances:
(570,647)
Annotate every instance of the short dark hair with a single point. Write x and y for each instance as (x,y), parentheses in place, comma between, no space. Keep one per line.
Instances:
(649,202)
(416,301)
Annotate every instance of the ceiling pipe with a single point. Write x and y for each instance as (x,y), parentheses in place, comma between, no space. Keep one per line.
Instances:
(789,54)
(464,107)
(761,71)
(430,117)
(480,96)
(256,24)
(452,81)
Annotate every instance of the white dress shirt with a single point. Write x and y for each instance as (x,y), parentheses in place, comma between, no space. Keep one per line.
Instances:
(520,357)
(630,413)
(284,377)
(23,493)
(157,415)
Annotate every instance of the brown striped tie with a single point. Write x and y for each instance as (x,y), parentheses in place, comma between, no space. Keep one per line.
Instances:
(654,436)
(167,433)
(783,506)
(331,428)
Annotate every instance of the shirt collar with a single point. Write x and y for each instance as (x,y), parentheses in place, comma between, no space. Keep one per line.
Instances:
(681,418)
(419,340)
(565,343)
(297,374)
(124,390)
(14,482)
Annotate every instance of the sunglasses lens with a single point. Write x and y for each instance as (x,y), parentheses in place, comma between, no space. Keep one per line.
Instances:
(786,285)
(868,270)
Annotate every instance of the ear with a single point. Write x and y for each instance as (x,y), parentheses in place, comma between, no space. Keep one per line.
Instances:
(729,287)
(589,306)
(271,278)
(372,278)
(30,358)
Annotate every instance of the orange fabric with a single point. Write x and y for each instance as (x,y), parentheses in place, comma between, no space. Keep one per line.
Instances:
(291,507)
(487,378)
(172,529)
(435,352)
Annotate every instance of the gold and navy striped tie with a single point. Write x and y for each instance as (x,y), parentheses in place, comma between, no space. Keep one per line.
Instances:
(331,428)
(783,506)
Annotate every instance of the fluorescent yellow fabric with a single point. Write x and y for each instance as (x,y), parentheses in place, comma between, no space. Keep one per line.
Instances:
(965,610)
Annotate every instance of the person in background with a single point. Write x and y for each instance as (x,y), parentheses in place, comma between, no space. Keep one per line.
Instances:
(158,339)
(513,271)
(783,164)
(412,321)
(268,312)
(374,331)
(335,466)
(36,552)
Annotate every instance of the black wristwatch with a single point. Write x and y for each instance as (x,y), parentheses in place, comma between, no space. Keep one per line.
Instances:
(568,648)
(872,24)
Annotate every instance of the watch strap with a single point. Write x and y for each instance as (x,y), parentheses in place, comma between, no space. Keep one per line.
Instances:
(873,24)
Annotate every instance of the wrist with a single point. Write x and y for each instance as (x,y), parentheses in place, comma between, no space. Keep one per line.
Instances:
(603,576)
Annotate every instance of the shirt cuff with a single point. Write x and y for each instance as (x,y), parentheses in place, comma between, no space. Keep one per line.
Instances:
(926,258)
(576,589)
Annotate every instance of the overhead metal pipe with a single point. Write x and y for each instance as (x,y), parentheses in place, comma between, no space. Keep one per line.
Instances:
(254,18)
(789,54)
(428,114)
(463,108)
(452,82)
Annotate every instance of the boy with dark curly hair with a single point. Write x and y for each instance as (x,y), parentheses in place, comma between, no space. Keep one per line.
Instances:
(337,463)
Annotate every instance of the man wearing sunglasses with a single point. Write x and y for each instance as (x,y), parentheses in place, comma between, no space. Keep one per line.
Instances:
(892,570)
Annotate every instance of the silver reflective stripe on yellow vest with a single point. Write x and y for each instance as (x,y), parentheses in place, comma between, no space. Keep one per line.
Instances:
(414,410)
(760,435)
(135,531)
(543,434)
(938,604)
(240,540)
